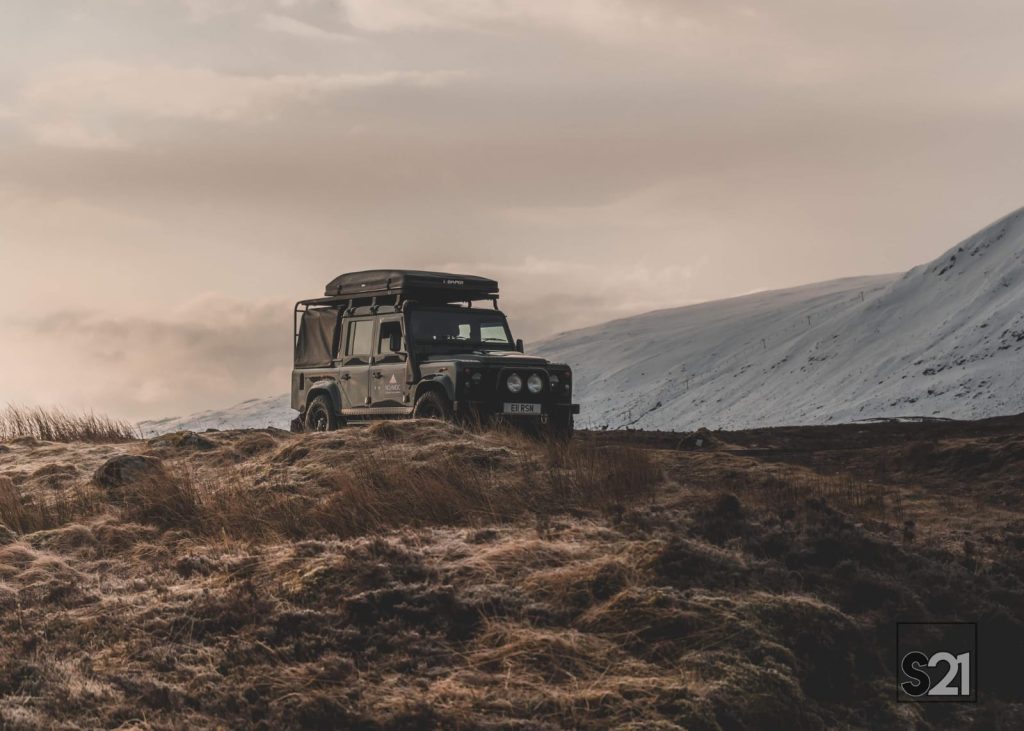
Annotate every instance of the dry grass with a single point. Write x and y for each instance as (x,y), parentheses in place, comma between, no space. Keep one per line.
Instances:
(380,489)
(423,576)
(28,512)
(789,487)
(57,425)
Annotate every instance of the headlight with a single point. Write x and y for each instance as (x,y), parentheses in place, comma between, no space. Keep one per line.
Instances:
(514,383)
(535,383)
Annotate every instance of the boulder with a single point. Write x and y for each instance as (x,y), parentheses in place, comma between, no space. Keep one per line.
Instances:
(123,469)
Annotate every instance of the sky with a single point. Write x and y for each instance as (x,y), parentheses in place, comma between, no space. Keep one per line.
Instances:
(174,174)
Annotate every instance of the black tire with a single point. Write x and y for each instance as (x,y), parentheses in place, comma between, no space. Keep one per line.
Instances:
(432,405)
(320,415)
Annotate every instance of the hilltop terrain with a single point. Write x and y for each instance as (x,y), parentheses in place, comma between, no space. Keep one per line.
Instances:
(415,575)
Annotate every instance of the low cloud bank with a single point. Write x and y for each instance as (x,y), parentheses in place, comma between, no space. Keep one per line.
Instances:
(213,351)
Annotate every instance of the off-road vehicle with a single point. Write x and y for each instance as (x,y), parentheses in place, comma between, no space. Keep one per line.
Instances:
(395,344)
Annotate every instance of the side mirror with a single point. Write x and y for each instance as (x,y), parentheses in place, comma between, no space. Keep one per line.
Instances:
(519,345)
(395,343)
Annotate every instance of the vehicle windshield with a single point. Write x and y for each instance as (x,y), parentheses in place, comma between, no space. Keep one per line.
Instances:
(460,327)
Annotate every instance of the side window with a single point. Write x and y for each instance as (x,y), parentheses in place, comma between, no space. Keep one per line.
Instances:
(384,333)
(360,338)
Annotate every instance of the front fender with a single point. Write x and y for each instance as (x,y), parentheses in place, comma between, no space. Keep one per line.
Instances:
(442,380)
(326,387)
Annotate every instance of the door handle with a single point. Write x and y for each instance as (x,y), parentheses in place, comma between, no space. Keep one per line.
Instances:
(346,377)
(378,374)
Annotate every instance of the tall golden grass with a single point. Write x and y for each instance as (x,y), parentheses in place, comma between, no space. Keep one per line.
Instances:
(376,491)
(27,513)
(58,425)
(379,491)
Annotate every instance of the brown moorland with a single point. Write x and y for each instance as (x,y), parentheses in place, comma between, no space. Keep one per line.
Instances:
(418,575)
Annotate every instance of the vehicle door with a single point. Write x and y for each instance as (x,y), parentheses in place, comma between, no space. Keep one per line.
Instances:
(388,387)
(356,353)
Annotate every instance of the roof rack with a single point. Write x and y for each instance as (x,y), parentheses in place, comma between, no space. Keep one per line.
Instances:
(397,288)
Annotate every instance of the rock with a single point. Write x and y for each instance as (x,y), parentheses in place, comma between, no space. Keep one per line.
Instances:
(182,440)
(126,468)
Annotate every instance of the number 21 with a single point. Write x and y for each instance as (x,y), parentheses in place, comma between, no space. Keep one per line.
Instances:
(959,663)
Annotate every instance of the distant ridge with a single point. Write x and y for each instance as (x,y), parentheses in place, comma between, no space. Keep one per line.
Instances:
(275,412)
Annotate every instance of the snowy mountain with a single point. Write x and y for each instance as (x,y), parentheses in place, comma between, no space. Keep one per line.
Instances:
(942,340)
(252,414)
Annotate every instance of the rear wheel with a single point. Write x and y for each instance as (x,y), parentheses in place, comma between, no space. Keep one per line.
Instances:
(432,405)
(320,415)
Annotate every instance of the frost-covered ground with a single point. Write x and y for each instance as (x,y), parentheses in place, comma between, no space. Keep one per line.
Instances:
(415,575)
(942,340)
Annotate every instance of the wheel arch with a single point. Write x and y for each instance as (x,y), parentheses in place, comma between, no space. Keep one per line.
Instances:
(325,388)
(442,385)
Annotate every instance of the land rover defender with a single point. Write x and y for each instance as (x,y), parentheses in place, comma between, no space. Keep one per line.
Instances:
(397,344)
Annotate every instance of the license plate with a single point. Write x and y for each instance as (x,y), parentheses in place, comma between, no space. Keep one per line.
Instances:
(528,409)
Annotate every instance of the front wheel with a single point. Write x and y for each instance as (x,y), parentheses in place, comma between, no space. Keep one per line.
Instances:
(432,405)
(320,415)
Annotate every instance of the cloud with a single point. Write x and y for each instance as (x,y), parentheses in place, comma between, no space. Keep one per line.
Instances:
(543,296)
(80,104)
(212,351)
(287,25)
(202,11)
(71,134)
(608,19)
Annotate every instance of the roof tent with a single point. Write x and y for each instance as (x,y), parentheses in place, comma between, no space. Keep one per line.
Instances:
(424,286)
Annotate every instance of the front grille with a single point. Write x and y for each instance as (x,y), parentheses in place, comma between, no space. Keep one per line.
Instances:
(525,394)
(492,390)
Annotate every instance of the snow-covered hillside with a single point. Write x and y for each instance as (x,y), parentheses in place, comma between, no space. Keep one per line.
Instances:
(251,414)
(943,340)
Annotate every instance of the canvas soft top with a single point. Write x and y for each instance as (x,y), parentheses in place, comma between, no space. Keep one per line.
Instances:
(316,341)
(435,286)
